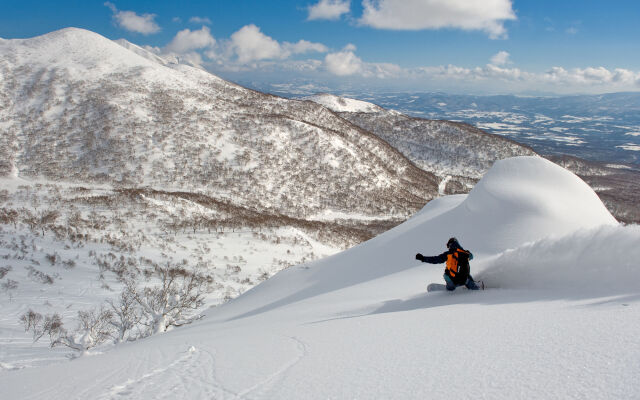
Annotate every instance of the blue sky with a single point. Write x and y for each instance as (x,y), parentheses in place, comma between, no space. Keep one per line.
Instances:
(483,46)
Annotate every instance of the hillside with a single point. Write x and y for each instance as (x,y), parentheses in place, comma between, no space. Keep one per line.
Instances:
(457,153)
(79,107)
(561,280)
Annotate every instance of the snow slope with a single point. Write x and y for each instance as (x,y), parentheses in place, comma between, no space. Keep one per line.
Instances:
(560,319)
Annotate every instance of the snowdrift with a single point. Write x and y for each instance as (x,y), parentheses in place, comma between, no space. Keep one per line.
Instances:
(599,261)
(520,200)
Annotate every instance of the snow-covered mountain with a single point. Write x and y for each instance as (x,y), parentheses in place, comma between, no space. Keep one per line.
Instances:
(459,154)
(558,320)
(79,107)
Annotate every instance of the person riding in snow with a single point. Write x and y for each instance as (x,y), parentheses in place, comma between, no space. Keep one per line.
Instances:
(457,271)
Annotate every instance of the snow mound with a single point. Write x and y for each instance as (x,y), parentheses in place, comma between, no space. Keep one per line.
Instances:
(523,199)
(602,260)
(344,104)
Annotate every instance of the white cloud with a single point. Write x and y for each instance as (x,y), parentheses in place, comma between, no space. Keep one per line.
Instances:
(572,30)
(200,20)
(488,72)
(500,58)
(350,47)
(487,15)
(343,63)
(250,44)
(187,40)
(505,74)
(384,71)
(304,46)
(329,9)
(133,22)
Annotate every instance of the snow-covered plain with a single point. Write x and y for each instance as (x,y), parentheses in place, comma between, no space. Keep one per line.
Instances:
(559,318)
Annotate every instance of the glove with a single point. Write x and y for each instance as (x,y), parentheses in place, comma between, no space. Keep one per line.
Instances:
(419,257)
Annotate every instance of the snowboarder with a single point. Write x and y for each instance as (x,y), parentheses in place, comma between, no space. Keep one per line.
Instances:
(457,271)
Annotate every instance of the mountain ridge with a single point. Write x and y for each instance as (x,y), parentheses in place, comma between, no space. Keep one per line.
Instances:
(143,109)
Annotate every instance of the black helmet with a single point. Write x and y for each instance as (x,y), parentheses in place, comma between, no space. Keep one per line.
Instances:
(453,242)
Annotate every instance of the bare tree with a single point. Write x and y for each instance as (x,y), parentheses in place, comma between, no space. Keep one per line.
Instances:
(173,301)
(32,322)
(40,325)
(48,218)
(125,314)
(9,286)
(94,328)
(5,270)
(9,216)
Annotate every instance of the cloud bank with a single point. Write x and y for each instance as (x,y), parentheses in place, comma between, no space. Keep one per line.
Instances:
(255,54)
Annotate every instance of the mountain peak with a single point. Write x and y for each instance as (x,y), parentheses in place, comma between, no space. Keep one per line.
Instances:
(73,49)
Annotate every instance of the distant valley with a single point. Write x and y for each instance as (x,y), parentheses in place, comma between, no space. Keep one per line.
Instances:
(603,128)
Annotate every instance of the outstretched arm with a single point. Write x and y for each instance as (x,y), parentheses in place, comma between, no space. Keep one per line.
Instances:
(432,260)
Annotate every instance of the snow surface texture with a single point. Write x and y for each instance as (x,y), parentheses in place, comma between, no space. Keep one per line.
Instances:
(559,320)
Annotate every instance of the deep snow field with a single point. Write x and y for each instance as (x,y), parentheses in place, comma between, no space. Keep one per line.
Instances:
(559,319)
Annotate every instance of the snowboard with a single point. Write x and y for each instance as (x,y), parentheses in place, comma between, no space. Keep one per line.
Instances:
(436,287)
(439,287)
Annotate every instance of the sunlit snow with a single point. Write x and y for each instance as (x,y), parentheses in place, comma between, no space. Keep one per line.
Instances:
(559,317)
